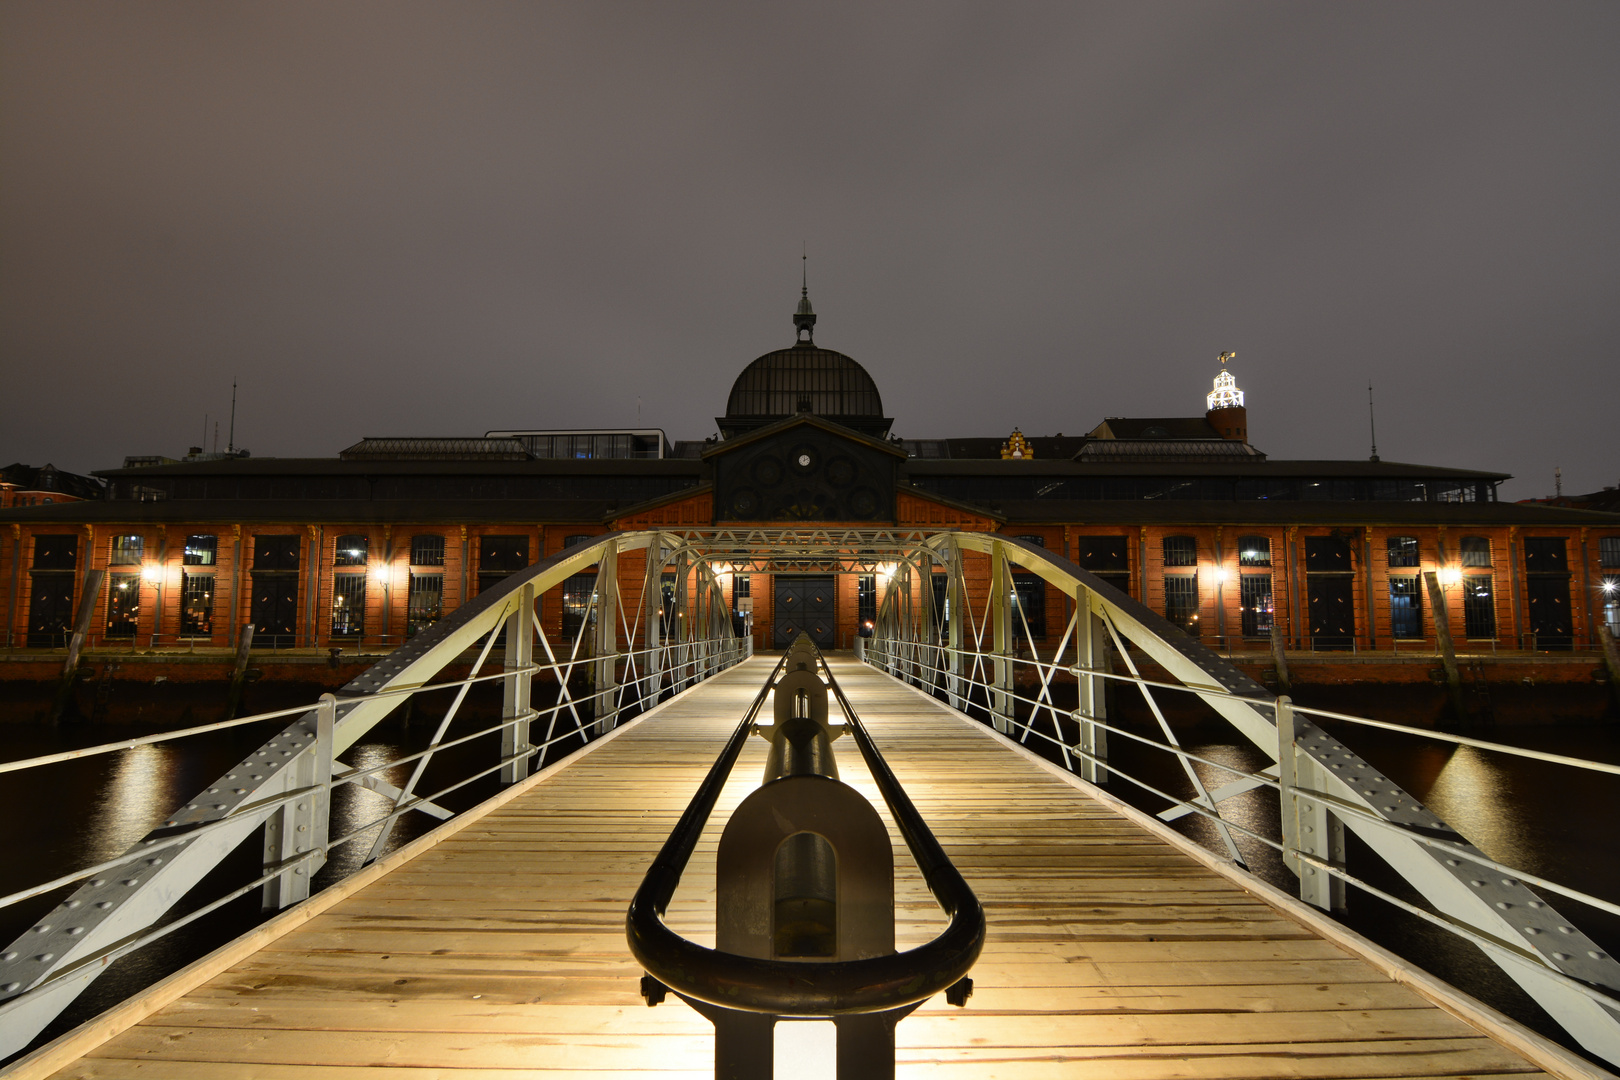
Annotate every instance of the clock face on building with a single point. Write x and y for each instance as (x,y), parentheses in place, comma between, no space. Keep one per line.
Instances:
(806,476)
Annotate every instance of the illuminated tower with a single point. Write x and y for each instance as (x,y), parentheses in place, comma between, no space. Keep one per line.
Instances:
(1226,413)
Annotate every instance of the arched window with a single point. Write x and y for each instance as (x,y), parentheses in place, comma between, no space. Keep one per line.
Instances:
(350,550)
(1476,551)
(1180,551)
(1254,550)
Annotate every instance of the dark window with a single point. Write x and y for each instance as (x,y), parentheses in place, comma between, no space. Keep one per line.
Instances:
(426,600)
(1181,601)
(1476,551)
(1609,550)
(1256,604)
(1031,538)
(577,538)
(1330,607)
(427,550)
(53,552)
(1029,616)
(50,611)
(1403,551)
(348,605)
(196,603)
(201,550)
(1180,551)
(1101,554)
(275,600)
(1479,606)
(1255,551)
(127,550)
(350,550)
(123,604)
(1405,607)
(275,552)
(1327,554)
(1545,555)
(1549,610)
(502,554)
(577,593)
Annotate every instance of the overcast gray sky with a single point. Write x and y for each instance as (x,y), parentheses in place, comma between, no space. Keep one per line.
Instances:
(429,219)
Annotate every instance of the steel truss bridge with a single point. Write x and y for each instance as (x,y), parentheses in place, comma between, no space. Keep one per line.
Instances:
(632,653)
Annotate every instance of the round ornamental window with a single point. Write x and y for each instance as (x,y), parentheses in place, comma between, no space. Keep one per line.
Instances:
(863,502)
(745,503)
(840,471)
(768,471)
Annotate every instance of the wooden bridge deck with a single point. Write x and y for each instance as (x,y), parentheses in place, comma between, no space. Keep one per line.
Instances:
(500,953)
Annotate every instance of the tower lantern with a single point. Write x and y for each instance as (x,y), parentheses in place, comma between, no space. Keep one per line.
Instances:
(1224,404)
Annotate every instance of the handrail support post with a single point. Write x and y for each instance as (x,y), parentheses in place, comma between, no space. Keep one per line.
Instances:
(1308,826)
(299,827)
(518,688)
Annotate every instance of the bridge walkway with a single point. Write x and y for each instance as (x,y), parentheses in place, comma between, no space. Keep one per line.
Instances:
(499,951)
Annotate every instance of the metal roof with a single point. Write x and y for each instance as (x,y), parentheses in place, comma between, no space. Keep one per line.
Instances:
(804,378)
(430,449)
(1154,449)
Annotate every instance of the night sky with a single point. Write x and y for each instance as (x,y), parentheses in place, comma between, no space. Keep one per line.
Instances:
(438,219)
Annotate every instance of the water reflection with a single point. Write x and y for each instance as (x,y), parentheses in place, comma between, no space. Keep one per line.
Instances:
(137,798)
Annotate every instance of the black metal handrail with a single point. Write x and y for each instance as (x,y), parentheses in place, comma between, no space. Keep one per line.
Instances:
(796,988)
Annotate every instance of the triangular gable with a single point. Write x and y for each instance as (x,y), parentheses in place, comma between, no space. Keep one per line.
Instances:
(689,506)
(811,420)
(915,507)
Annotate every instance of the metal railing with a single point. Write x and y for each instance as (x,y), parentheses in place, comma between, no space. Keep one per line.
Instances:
(882,988)
(628,653)
(973,658)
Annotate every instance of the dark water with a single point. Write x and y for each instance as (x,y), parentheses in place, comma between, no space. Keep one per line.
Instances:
(59,818)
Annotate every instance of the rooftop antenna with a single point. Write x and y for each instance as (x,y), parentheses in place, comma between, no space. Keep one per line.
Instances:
(230,446)
(1372,422)
(216,436)
(1558,481)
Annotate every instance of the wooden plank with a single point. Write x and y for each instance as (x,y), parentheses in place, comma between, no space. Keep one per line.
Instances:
(500,951)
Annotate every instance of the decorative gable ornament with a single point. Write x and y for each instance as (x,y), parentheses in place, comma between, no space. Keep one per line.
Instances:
(1017,448)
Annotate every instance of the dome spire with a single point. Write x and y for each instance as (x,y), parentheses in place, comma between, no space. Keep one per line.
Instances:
(804,319)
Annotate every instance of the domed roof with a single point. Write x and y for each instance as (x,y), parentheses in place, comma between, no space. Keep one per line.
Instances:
(804,378)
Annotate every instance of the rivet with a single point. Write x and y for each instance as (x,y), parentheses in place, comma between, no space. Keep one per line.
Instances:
(45,957)
(154,862)
(219,806)
(1566,929)
(103,904)
(9,987)
(1594,954)
(240,791)
(1503,904)
(1561,956)
(12,955)
(43,928)
(1476,883)
(303,806)
(96,883)
(213,791)
(1532,930)
(132,882)
(75,931)
(71,904)
(303,828)
(1510,883)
